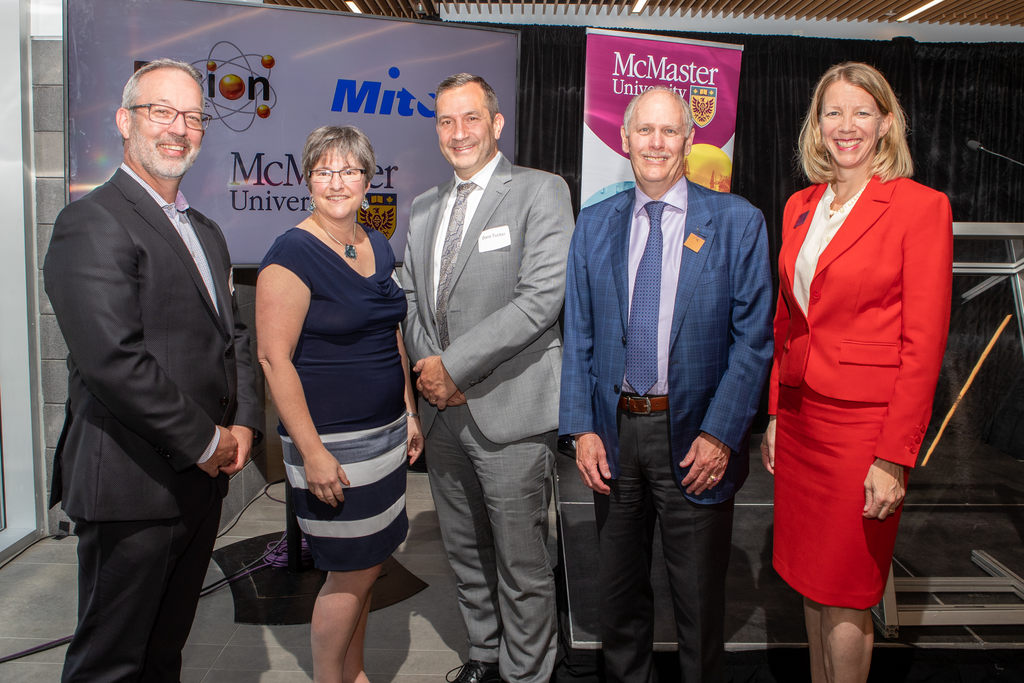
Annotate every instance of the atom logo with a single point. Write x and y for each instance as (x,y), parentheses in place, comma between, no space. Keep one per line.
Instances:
(237,100)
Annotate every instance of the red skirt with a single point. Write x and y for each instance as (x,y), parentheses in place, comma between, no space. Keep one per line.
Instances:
(824,548)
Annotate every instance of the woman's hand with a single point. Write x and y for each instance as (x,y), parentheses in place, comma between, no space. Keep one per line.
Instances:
(768,445)
(324,477)
(883,489)
(414,442)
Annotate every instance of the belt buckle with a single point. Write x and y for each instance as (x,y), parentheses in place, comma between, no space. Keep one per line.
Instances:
(646,400)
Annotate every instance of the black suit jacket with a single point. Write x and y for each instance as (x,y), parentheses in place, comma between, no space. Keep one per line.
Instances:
(153,367)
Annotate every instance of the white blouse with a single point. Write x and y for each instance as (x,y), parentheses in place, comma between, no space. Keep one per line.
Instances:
(823,228)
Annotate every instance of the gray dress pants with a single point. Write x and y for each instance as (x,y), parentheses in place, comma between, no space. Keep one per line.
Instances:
(492,504)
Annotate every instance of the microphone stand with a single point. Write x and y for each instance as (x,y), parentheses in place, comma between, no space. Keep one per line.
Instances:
(975,146)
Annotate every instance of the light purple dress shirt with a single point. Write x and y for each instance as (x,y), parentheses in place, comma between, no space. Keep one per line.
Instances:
(673,231)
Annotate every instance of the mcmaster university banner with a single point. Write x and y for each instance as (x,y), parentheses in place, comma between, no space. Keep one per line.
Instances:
(621,65)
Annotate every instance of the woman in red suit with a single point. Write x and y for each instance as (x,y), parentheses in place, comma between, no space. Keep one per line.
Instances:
(864,299)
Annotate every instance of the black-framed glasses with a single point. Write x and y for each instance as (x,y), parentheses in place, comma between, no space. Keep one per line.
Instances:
(322,176)
(165,116)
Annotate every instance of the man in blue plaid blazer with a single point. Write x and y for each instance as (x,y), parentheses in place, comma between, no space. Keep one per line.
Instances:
(668,342)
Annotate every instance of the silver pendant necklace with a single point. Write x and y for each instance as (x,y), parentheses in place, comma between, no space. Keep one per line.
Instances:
(350,249)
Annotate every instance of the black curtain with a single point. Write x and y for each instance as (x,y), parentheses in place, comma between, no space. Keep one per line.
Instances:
(952,92)
(549,119)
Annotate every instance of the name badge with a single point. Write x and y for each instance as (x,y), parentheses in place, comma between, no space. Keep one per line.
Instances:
(494,238)
(693,243)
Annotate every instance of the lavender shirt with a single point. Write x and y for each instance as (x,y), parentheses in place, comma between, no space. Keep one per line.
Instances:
(673,231)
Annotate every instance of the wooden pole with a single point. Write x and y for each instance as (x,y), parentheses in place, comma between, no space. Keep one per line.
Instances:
(967,386)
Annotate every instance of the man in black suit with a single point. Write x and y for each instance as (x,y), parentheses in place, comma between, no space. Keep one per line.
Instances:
(162,402)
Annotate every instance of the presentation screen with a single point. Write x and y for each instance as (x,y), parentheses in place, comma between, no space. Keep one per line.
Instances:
(271,76)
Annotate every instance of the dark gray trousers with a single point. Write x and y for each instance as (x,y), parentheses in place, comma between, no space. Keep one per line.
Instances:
(696,540)
(138,587)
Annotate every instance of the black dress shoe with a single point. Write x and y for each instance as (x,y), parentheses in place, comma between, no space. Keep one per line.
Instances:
(475,672)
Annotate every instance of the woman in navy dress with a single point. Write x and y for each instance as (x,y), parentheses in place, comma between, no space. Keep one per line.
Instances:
(327,315)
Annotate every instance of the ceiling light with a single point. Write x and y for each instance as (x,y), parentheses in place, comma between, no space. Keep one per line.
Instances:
(920,9)
(353,6)
(638,6)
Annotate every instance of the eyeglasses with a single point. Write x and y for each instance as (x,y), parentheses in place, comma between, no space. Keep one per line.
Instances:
(322,176)
(165,116)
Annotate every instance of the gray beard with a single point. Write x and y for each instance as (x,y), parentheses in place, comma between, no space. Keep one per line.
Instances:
(147,155)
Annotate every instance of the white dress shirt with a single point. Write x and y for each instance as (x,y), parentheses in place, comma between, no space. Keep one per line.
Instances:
(819,235)
(482,177)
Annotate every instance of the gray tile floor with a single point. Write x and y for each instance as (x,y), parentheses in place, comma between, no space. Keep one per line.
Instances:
(952,508)
(419,639)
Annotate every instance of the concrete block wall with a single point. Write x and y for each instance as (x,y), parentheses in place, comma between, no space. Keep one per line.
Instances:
(49,164)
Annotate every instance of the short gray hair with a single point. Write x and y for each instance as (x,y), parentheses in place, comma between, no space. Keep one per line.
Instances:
(344,141)
(627,117)
(459,80)
(131,88)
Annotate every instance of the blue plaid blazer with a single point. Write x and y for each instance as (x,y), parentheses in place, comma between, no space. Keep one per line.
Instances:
(720,350)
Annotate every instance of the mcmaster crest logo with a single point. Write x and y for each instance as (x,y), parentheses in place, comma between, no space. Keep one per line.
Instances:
(702,104)
(382,214)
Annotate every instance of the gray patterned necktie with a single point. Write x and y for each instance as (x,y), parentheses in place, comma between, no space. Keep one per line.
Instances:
(449,254)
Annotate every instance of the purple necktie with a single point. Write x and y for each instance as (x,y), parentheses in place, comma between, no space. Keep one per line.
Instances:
(642,333)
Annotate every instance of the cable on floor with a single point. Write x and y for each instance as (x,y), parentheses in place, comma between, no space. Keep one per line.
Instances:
(16,555)
(242,511)
(38,648)
(275,556)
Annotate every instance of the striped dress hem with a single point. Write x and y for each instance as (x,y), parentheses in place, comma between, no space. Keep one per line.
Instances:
(370,524)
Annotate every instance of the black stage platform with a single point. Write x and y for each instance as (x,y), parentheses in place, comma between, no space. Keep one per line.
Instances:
(969,497)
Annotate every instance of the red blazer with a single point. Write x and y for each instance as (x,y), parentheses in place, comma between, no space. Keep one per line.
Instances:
(878,313)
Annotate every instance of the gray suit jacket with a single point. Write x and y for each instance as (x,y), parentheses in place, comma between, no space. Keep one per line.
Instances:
(153,365)
(506,349)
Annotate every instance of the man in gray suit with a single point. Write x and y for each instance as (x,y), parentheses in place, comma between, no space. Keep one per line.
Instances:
(484,274)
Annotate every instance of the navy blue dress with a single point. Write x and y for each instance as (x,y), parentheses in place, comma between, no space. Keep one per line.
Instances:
(351,371)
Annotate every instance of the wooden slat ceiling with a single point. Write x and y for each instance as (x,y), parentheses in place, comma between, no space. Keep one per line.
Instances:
(982,12)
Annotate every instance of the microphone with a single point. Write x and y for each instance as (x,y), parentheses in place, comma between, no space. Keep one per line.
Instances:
(975,146)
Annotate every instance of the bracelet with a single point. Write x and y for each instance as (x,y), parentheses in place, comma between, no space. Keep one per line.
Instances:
(408,414)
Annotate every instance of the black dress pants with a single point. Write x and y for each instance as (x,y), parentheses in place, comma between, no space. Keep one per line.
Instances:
(696,540)
(138,586)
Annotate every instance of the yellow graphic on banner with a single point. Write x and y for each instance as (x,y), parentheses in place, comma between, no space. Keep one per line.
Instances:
(709,166)
(382,214)
(702,104)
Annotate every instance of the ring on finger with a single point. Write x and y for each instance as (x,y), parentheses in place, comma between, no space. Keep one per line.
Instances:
(712,479)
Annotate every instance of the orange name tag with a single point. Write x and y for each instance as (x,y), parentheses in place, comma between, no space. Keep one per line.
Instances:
(693,242)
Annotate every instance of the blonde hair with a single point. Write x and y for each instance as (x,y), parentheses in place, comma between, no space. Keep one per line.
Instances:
(892,157)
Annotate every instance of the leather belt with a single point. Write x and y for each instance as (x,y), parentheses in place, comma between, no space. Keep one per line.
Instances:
(643,405)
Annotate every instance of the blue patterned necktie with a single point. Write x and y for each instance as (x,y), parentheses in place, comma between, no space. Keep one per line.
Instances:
(642,333)
(449,254)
